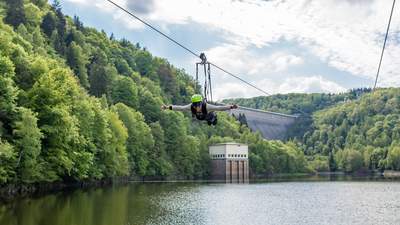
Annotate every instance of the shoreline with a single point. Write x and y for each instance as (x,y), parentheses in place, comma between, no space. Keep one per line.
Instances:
(14,191)
(391,174)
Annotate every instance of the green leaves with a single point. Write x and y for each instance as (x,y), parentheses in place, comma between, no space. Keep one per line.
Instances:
(49,23)
(116,157)
(393,157)
(77,61)
(140,138)
(369,126)
(8,162)
(124,90)
(8,90)
(27,140)
(15,13)
(349,160)
(101,75)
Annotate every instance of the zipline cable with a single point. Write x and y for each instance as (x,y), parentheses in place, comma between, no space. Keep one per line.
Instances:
(182,46)
(155,29)
(384,45)
(220,68)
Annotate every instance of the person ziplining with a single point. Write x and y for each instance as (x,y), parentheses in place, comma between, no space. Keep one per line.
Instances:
(201,110)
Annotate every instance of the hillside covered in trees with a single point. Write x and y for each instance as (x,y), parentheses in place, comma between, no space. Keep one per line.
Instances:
(79,105)
(348,131)
(361,133)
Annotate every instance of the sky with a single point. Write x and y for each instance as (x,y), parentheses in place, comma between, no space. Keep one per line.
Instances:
(281,46)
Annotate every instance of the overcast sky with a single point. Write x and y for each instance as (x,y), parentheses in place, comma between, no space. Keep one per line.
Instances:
(281,46)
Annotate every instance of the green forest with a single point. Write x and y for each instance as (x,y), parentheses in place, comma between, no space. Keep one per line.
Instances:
(77,104)
(357,130)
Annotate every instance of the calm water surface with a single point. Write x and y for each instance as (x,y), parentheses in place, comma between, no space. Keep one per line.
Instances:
(300,202)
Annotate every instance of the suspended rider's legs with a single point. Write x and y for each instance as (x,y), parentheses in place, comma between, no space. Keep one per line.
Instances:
(211,118)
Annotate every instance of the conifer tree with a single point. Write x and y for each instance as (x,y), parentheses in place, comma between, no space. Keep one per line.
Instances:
(15,13)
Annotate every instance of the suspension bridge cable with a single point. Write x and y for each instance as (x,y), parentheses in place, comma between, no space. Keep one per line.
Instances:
(182,46)
(384,44)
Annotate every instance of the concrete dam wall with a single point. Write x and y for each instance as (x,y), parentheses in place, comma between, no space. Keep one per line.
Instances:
(273,126)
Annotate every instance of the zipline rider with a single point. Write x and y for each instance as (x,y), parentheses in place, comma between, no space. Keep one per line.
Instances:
(201,109)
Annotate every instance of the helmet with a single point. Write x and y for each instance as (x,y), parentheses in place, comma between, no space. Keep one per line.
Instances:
(197,98)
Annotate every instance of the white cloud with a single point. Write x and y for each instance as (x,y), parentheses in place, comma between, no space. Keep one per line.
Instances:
(233,90)
(283,61)
(236,89)
(241,60)
(313,84)
(303,84)
(78,1)
(127,21)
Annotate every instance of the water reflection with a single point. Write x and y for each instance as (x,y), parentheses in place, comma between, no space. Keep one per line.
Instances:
(117,205)
(322,202)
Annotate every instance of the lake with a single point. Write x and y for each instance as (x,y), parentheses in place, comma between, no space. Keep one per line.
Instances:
(285,202)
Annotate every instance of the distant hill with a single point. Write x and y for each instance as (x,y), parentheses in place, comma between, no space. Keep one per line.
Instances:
(297,103)
(359,127)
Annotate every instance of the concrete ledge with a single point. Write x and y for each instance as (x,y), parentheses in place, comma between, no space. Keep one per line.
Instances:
(391,174)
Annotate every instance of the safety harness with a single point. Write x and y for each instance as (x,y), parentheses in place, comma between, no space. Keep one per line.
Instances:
(202,114)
